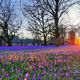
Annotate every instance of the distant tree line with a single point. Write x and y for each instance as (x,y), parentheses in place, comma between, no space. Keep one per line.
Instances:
(27,41)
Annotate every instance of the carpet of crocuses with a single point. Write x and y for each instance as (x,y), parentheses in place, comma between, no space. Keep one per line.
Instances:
(40,63)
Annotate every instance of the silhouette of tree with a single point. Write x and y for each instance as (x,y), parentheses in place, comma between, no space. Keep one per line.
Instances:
(8,21)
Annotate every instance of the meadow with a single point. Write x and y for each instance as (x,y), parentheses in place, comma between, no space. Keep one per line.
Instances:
(48,63)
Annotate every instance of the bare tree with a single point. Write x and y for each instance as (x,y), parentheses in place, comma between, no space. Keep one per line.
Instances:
(56,9)
(39,21)
(9,22)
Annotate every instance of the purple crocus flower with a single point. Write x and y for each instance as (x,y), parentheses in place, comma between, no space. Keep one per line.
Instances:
(39,77)
(7,75)
(0,76)
(27,75)
(34,77)
(67,74)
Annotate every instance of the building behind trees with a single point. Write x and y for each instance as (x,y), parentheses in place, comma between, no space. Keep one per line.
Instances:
(71,37)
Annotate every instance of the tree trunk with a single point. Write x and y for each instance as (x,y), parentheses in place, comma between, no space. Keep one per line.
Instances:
(57,30)
(57,35)
(0,42)
(56,20)
(57,42)
(45,41)
(9,43)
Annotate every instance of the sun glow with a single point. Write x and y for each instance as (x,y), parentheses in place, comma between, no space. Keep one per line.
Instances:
(77,41)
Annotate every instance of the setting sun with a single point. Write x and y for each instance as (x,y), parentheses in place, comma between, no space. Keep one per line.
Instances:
(77,41)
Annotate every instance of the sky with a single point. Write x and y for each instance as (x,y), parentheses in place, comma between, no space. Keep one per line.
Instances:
(74,15)
(73,18)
